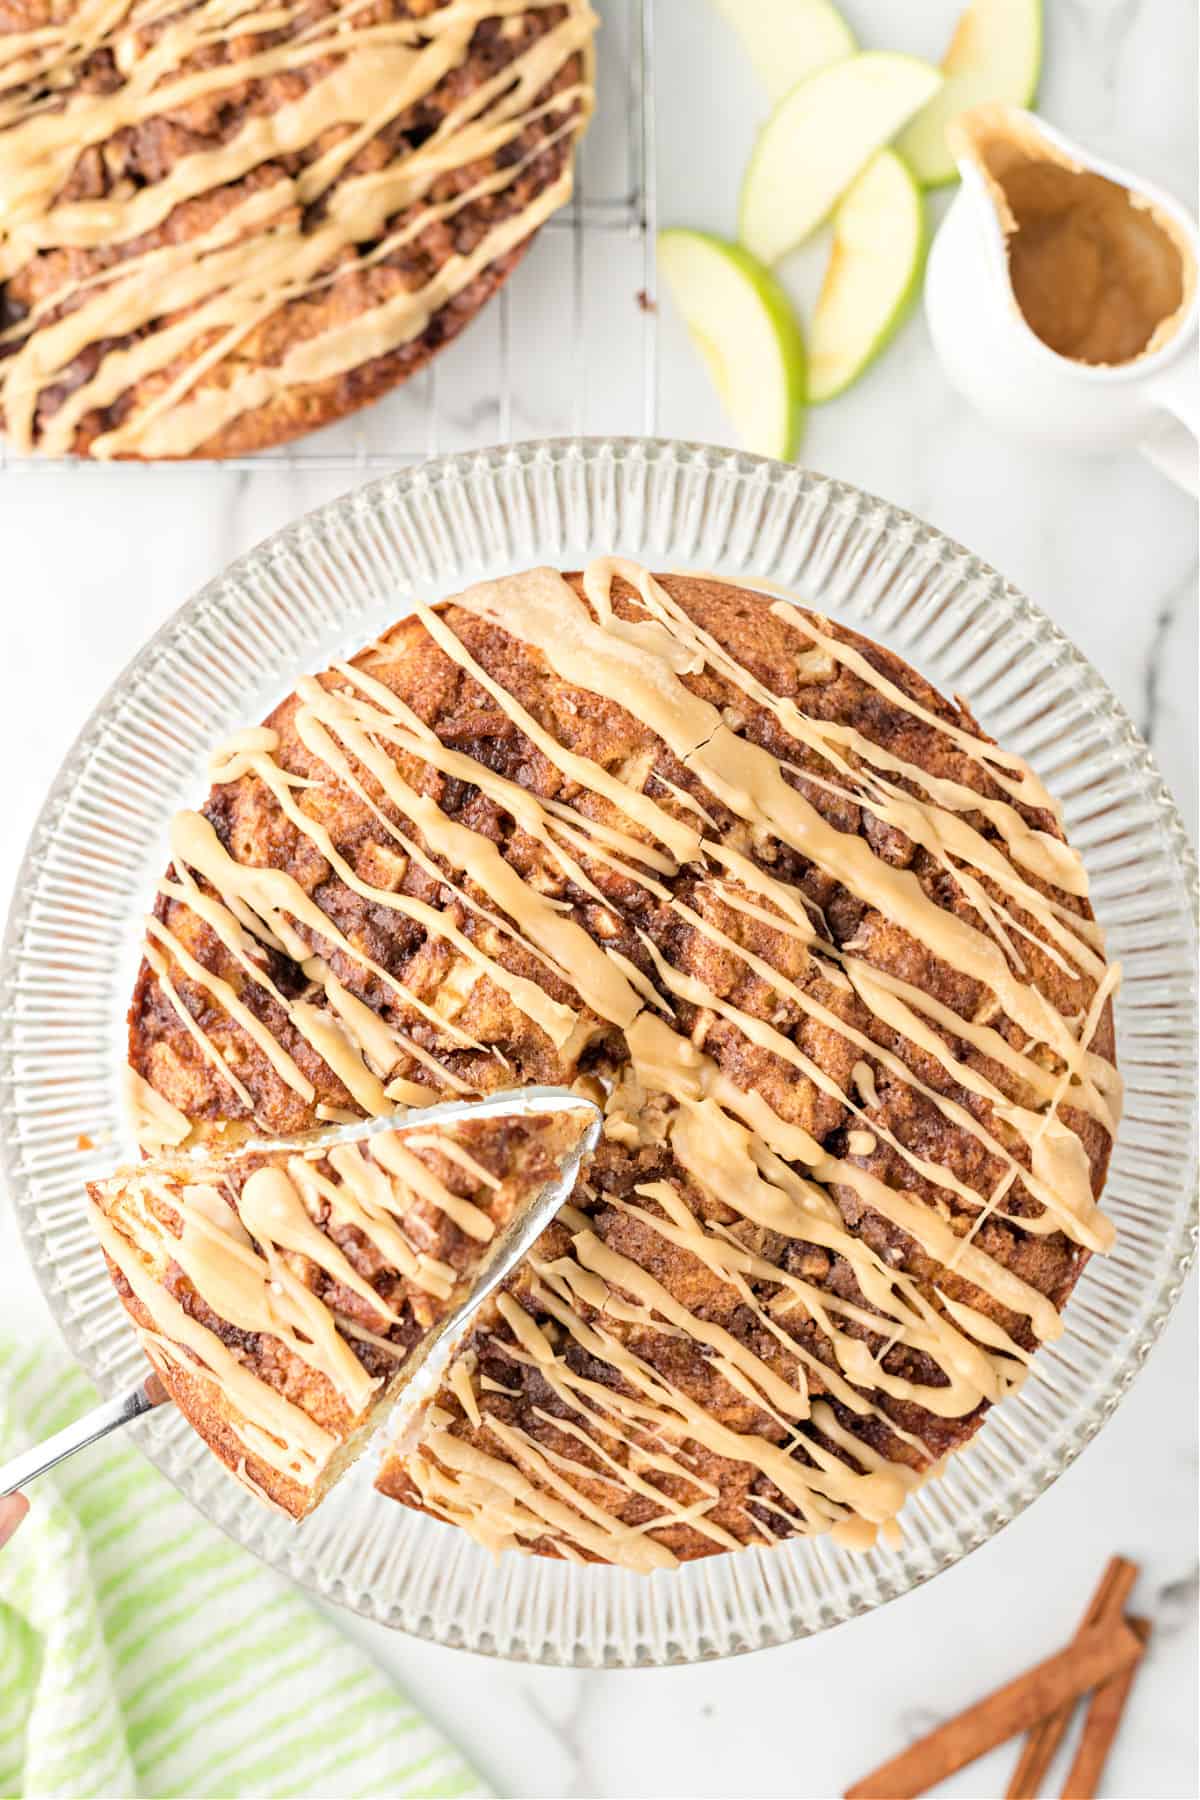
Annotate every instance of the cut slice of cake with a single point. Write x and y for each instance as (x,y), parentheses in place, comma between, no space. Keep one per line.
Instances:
(287,1293)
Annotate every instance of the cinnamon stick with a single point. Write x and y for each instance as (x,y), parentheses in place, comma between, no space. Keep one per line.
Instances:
(1097,1654)
(1100,1725)
(1108,1602)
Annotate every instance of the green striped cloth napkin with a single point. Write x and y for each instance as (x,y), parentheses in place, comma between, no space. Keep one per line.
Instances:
(142,1653)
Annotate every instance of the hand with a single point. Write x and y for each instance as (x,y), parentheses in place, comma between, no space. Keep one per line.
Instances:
(12,1510)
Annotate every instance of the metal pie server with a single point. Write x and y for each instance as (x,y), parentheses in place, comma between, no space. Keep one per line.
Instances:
(505,1253)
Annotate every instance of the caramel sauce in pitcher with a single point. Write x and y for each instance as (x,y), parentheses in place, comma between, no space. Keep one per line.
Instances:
(1100,274)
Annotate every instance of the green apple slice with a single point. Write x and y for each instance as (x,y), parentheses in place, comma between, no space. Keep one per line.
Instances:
(743,325)
(819,137)
(873,273)
(995,54)
(787,40)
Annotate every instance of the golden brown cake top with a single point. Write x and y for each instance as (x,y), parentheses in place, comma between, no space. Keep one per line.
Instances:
(222,223)
(823,947)
(286,1293)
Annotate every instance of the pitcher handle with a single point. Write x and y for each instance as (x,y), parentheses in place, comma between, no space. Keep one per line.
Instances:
(1173,441)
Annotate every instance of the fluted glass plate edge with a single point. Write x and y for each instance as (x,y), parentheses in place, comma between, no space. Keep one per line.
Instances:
(322,587)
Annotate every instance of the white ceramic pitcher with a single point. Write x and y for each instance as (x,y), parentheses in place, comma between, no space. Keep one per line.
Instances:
(996,360)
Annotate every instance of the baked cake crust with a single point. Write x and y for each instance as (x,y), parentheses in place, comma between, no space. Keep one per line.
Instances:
(287,1295)
(217,234)
(820,945)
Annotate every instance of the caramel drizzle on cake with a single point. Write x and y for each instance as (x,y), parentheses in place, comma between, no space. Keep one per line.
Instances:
(729,1143)
(248,1232)
(199,299)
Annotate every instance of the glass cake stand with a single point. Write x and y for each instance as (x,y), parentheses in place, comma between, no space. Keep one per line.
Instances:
(325,587)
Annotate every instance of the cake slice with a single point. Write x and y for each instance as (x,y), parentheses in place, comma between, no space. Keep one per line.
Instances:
(286,1293)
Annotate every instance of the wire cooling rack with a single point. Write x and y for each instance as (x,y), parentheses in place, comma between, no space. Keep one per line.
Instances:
(568,346)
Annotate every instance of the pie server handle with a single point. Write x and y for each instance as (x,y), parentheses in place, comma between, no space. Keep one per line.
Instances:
(108,1416)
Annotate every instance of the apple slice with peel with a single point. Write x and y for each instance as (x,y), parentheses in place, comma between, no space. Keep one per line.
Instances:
(873,273)
(819,137)
(787,40)
(995,54)
(743,325)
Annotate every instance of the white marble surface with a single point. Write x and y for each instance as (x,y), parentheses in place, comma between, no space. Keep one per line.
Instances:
(94,560)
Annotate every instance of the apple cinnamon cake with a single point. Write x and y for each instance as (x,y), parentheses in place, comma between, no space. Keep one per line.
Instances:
(817,944)
(287,1294)
(223,224)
